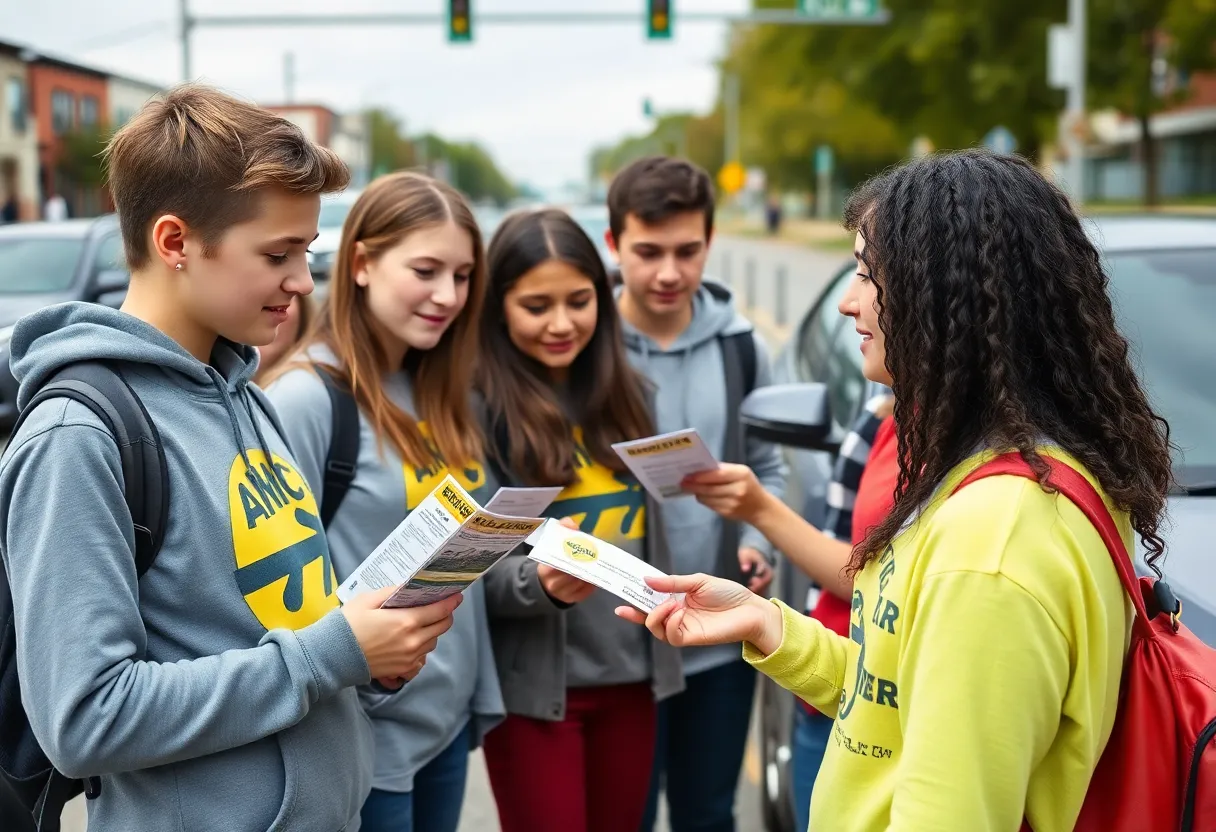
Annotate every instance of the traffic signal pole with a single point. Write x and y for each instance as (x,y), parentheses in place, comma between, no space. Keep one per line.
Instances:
(783,17)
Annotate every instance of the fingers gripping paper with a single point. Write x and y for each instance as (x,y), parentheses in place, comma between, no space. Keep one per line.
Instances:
(662,462)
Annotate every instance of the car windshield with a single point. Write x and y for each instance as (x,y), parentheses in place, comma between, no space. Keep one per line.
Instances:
(1166,302)
(333,214)
(38,265)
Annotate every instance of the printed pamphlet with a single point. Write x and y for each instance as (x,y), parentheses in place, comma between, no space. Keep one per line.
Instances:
(597,562)
(662,462)
(445,544)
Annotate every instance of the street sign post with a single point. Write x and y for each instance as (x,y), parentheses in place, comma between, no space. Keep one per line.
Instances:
(825,164)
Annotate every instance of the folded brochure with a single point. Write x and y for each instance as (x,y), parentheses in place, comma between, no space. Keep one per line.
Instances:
(445,544)
(597,562)
(661,463)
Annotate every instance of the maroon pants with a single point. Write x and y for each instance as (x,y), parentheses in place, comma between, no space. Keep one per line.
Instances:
(588,773)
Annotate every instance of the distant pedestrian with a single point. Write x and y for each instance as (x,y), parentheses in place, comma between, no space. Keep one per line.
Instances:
(56,209)
(9,211)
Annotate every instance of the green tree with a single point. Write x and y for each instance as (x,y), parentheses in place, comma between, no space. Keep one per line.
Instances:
(1130,42)
(390,150)
(470,168)
(79,159)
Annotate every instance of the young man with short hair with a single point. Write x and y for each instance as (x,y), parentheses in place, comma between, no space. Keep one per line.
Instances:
(217,690)
(686,335)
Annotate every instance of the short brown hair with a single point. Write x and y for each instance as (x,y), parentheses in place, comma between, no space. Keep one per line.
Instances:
(202,155)
(657,188)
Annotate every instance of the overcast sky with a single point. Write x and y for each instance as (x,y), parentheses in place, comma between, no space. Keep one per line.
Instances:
(538,97)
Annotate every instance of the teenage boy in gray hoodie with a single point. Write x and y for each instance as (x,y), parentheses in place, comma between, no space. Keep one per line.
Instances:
(218,690)
(684,333)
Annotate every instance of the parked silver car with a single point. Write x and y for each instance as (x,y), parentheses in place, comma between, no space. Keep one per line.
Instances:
(1163,281)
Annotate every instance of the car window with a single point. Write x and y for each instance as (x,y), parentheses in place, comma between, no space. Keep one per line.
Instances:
(333,214)
(820,329)
(109,255)
(36,265)
(1166,302)
(846,384)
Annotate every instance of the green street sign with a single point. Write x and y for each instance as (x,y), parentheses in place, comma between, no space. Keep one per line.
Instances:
(837,9)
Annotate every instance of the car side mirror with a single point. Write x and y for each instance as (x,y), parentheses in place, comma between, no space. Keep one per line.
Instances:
(795,415)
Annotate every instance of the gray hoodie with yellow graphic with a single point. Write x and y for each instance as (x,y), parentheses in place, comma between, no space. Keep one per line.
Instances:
(216,692)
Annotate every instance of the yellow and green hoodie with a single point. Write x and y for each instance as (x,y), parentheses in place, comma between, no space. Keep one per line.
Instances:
(980,679)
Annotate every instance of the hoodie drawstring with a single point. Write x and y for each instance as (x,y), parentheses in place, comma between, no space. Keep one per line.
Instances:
(221,387)
(257,429)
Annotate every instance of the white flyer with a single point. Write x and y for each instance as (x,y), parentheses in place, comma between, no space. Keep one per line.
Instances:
(441,548)
(662,462)
(597,562)
(523,502)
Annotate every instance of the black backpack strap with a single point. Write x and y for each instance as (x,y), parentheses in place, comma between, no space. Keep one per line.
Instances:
(342,460)
(739,364)
(102,389)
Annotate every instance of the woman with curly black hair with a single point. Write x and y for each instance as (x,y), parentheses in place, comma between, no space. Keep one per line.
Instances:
(980,680)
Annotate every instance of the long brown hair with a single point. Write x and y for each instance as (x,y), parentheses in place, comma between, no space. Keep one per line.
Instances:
(390,209)
(526,416)
(1000,332)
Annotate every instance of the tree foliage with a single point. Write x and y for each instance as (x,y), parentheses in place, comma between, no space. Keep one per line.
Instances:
(948,70)
(79,158)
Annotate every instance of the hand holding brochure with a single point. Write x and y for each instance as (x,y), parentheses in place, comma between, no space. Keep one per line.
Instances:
(662,462)
(444,545)
(596,562)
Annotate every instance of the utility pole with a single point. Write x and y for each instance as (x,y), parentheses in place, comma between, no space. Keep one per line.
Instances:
(289,77)
(187,23)
(730,101)
(1076,100)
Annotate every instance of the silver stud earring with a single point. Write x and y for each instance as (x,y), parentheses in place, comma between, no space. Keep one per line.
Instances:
(178,267)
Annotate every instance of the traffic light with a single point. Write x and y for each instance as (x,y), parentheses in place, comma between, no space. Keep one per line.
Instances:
(658,19)
(460,21)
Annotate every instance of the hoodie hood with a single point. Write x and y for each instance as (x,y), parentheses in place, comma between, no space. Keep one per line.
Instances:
(713,315)
(53,337)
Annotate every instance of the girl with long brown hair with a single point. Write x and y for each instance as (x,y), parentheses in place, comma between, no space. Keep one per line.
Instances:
(580,685)
(399,336)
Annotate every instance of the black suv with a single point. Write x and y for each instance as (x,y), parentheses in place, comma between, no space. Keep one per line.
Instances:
(43,263)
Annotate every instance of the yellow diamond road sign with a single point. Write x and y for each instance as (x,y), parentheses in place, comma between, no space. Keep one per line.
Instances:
(732,177)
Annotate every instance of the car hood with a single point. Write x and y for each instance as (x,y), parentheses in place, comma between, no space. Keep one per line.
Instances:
(15,307)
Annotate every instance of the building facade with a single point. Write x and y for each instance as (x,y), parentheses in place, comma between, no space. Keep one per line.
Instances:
(127,97)
(68,100)
(18,137)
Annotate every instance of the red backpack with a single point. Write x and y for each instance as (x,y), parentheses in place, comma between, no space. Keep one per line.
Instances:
(1158,772)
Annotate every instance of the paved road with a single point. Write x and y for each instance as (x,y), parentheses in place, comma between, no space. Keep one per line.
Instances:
(775,309)
(774,282)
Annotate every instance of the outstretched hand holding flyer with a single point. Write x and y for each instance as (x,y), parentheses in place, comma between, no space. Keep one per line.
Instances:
(597,562)
(445,544)
(661,463)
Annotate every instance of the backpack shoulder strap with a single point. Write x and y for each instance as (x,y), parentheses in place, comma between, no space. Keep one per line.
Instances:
(102,389)
(342,459)
(1073,485)
(741,347)
(739,366)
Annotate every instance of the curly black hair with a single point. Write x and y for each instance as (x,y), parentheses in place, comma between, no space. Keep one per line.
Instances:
(1000,333)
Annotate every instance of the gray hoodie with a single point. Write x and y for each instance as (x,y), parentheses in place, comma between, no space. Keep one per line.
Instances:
(217,692)
(459,684)
(691,381)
